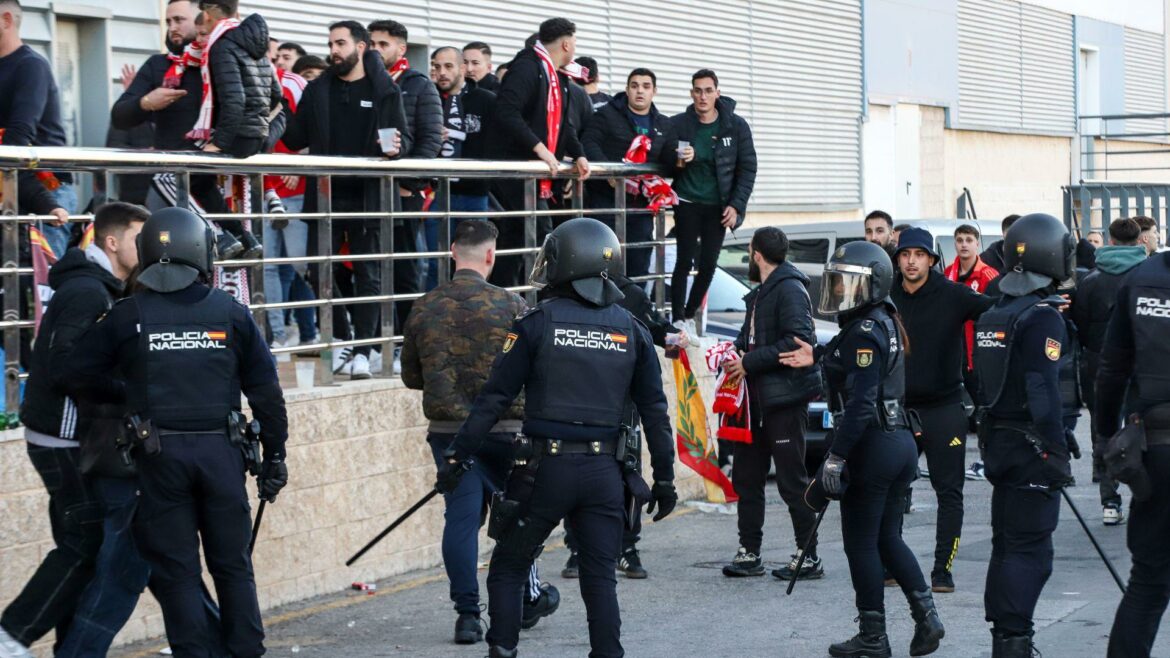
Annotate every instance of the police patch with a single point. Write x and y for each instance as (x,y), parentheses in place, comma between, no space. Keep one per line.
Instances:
(864,358)
(1052,349)
(509,342)
(164,237)
(607,253)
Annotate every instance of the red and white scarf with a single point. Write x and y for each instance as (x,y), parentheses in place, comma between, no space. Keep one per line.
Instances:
(552,110)
(201,133)
(397,68)
(655,188)
(192,55)
(731,400)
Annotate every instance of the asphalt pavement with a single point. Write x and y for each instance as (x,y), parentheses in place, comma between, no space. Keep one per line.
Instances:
(688,608)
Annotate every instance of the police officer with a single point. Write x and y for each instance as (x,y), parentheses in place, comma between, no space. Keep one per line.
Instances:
(1018,347)
(578,356)
(1135,354)
(186,351)
(872,451)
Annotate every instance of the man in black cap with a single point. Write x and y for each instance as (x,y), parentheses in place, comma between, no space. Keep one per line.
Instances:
(934,310)
(573,426)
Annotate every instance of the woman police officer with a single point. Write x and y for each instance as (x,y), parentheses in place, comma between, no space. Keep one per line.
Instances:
(864,380)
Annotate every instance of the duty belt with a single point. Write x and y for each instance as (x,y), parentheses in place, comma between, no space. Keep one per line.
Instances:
(555,447)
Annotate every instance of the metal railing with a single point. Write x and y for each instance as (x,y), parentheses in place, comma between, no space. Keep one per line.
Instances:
(1122,168)
(110,163)
(1106,142)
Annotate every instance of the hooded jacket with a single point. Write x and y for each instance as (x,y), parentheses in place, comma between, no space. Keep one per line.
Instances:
(609,136)
(735,153)
(310,127)
(781,310)
(521,112)
(1097,293)
(83,291)
(244,85)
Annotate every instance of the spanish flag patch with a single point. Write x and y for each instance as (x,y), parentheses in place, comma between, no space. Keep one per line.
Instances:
(217,335)
(509,342)
(619,338)
(1052,349)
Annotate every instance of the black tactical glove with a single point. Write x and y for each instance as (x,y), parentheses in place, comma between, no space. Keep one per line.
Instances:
(1058,469)
(1074,448)
(831,474)
(273,476)
(450,472)
(664,497)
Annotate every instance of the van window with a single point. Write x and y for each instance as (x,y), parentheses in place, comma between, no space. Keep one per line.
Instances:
(811,250)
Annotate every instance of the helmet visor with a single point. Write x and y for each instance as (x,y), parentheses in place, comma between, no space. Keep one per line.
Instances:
(844,288)
(539,277)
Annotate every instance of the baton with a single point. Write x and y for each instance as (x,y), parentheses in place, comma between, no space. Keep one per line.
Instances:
(397,522)
(256,525)
(1085,526)
(804,551)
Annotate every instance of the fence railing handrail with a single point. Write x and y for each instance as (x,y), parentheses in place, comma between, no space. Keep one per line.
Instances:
(129,161)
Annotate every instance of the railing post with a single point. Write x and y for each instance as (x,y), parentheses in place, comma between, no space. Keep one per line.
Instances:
(387,197)
(325,273)
(619,202)
(579,196)
(443,263)
(256,281)
(660,259)
(183,189)
(530,201)
(12,292)
(110,182)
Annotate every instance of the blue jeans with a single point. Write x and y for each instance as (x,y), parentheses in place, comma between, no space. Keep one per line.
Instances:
(291,241)
(459,203)
(119,576)
(58,236)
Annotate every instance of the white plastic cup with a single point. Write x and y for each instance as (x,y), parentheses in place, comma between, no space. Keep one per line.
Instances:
(682,146)
(386,138)
(305,373)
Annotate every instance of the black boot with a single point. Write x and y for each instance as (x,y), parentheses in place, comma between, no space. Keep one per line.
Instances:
(871,642)
(928,628)
(252,246)
(501,652)
(468,629)
(227,246)
(1011,645)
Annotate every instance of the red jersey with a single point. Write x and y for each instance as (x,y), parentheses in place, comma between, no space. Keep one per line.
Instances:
(293,87)
(981,275)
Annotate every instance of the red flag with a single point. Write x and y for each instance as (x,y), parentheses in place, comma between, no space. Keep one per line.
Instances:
(43,259)
(695,448)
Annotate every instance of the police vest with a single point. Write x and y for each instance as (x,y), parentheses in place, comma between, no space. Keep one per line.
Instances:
(1070,373)
(186,376)
(892,389)
(584,365)
(1149,315)
(999,392)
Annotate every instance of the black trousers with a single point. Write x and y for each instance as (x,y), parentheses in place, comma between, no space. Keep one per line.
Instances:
(362,279)
(510,270)
(944,440)
(881,468)
(780,439)
(587,490)
(75,516)
(1136,625)
(1022,523)
(192,490)
(408,274)
(699,232)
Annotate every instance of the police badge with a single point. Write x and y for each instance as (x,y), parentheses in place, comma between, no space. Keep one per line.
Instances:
(1052,349)
(864,358)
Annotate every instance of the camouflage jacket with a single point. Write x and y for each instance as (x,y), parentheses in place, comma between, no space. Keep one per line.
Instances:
(452,337)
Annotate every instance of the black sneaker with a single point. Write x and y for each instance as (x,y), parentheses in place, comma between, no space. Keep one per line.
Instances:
(744,564)
(227,246)
(572,566)
(812,569)
(252,247)
(631,564)
(549,601)
(942,582)
(468,629)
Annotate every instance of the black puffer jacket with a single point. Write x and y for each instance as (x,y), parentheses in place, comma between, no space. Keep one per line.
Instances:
(245,87)
(782,310)
(424,114)
(609,136)
(735,153)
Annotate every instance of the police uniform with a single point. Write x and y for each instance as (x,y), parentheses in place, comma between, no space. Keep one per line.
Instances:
(186,355)
(1019,344)
(1135,353)
(577,361)
(864,371)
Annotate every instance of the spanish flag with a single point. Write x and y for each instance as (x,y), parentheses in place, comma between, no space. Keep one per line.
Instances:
(695,448)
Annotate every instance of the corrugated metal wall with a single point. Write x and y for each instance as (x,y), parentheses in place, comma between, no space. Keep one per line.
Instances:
(1145,80)
(793,66)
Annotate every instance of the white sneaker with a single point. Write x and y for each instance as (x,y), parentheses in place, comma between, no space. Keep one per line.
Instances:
(691,328)
(376,361)
(341,359)
(10,648)
(397,366)
(1112,515)
(360,367)
(681,325)
(976,472)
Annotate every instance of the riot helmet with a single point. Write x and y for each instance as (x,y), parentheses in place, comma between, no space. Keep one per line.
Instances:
(1037,251)
(584,253)
(175,248)
(859,275)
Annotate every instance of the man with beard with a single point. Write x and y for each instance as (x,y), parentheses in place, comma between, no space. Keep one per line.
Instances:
(167,91)
(879,229)
(340,114)
(934,311)
(466,111)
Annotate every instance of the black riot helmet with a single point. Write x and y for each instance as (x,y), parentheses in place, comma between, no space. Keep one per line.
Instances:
(585,253)
(1037,251)
(175,248)
(859,275)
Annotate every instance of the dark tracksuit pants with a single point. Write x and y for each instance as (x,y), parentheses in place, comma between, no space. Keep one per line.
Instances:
(777,437)
(881,467)
(587,490)
(1022,523)
(195,489)
(699,232)
(1107,487)
(944,440)
(75,516)
(510,270)
(1136,625)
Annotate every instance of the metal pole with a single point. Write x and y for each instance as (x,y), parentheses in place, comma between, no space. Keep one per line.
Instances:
(256,525)
(397,522)
(325,272)
(183,189)
(12,290)
(256,283)
(388,196)
(804,551)
(1085,526)
(619,202)
(443,264)
(530,201)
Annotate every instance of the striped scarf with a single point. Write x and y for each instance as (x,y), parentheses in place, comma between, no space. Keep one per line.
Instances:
(201,133)
(553,107)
